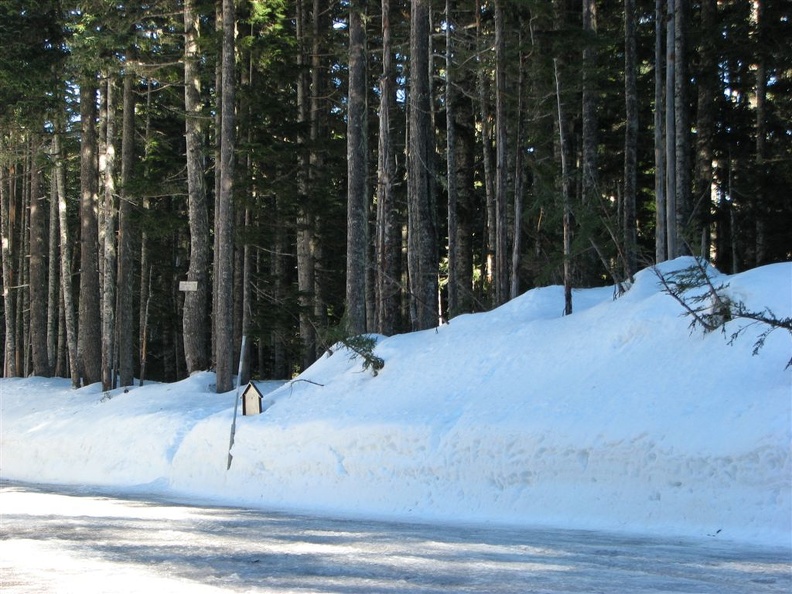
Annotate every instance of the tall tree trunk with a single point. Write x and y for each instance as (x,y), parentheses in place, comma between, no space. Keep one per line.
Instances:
(682,127)
(388,240)
(23,272)
(488,156)
(195,320)
(672,247)
(761,132)
(630,141)
(451,167)
(53,284)
(421,233)
(707,84)
(224,323)
(108,239)
(501,161)
(306,265)
(89,341)
(146,269)
(280,363)
(124,317)
(465,162)
(38,275)
(357,173)
(9,293)
(519,179)
(318,118)
(590,178)
(565,192)
(661,230)
(66,263)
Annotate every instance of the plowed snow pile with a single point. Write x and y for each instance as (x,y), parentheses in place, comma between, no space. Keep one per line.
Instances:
(616,417)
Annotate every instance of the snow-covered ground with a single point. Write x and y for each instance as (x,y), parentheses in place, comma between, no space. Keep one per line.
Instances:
(617,417)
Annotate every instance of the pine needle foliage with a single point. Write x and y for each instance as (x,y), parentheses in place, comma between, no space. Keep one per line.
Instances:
(357,345)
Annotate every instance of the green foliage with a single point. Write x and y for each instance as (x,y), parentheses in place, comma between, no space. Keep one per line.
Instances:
(359,345)
(31,39)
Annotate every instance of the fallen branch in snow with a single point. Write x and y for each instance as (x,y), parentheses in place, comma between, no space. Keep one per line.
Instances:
(307,381)
(712,308)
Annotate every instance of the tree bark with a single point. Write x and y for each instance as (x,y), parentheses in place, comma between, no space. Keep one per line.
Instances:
(357,173)
(682,129)
(760,210)
(501,161)
(306,223)
(451,166)
(421,233)
(89,341)
(23,272)
(195,320)
(224,322)
(126,230)
(670,136)
(630,141)
(565,192)
(108,240)
(488,156)
(38,275)
(590,177)
(53,282)
(66,263)
(9,293)
(707,84)
(388,240)
(318,118)
(661,230)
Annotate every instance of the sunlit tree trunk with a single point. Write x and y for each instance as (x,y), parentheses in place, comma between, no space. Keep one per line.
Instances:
(108,239)
(195,319)
(66,262)
(9,293)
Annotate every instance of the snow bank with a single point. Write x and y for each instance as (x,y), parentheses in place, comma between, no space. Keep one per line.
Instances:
(616,417)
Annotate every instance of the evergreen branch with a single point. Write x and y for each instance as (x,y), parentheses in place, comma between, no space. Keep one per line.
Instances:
(713,309)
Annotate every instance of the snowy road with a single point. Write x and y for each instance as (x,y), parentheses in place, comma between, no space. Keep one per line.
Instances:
(70,541)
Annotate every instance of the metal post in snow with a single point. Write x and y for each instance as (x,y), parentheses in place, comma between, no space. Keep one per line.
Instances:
(236,402)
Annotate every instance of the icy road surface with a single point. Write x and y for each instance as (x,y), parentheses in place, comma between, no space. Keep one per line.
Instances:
(68,541)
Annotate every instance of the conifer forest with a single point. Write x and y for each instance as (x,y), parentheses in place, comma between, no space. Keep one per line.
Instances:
(178,174)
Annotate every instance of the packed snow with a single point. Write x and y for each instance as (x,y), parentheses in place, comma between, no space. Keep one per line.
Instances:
(618,417)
